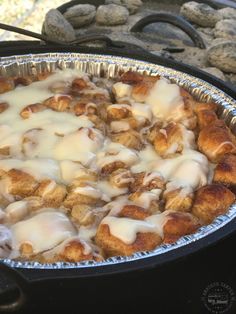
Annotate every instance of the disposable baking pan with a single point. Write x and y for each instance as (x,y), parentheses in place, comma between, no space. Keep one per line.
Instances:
(107,62)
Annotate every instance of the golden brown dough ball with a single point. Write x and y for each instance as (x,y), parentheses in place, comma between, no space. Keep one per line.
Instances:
(6,84)
(113,246)
(130,139)
(83,214)
(131,78)
(121,178)
(178,200)
(225,171)
(179,224)
(205,118)
(169,140)
(81,107)
(59,103)
(199,106)
(146,181)
(211,201)
(216,140)
(118,112)
(110,167)
(53,194)
(34,108)
(20,183)
(73,252)
(83,194)
(134,212)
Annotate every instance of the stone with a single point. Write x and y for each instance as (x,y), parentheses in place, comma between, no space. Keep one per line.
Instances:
(216,72)
(111,14)
(231,78)
(80,15)
(225,29)
(223,56)
(200,14)
(228,13)
(132,5)
(57,27)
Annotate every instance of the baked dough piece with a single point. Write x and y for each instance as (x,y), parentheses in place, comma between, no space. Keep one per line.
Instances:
(205,118)
(216,140)
(72,251)
(121,178)
(53,194)
(146,181)
(6,84)
(59,103)
(225,171)
(172,139)
(34,108)
(130,139)
(179,199)
(134,212)
(113,246)
(179,224)
(19,183)
(84,194)
(211,201)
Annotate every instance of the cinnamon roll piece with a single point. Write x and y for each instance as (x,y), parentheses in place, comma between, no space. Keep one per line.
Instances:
(113,245)
(52,194)
(225,171)
(19,183)
(6,84)
(34,108)
(179,224)
(211,201)
(173,139)
(216,140)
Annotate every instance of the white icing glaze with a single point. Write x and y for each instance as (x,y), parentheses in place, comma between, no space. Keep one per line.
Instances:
(43,231)
(119,126)
(122,90)
(147,197)
(141,111)
(165,100)
(115,152)
(147,157)
(78,146)
(70,170)
(126,229)
(88,191)
(110,191)
(159,221)
(16,211)
(38,168)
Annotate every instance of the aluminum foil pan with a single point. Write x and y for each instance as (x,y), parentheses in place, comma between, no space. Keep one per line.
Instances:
(109,67)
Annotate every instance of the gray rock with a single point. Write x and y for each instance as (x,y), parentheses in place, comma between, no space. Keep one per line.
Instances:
(226,29)
(80,15)
(132,5)
(200,14)
(111,14)
(228,13)
(217,41)
(223,56)
(57,27)
(231,78)
(216,72)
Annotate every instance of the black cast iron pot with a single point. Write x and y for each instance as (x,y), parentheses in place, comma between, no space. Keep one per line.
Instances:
(172,282)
